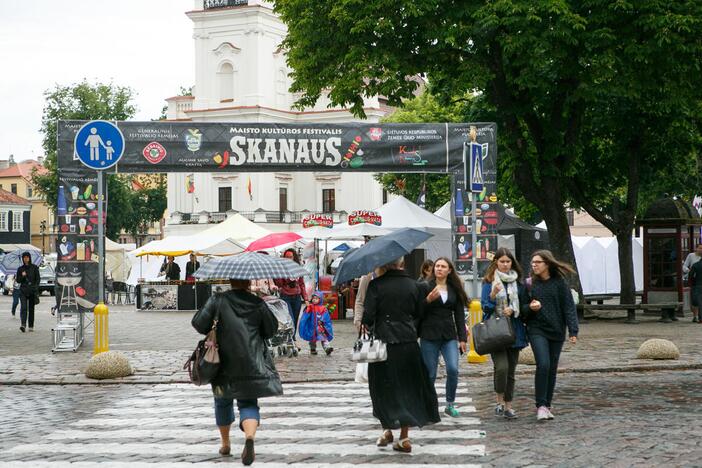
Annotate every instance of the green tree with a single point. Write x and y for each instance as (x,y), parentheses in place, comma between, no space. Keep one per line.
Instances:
(544,66)
(88,101)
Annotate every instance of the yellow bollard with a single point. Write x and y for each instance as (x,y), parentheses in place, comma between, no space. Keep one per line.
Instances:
(476,316)
(101,336)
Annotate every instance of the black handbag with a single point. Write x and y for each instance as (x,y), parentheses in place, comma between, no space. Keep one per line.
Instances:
(492,335)
(203,364)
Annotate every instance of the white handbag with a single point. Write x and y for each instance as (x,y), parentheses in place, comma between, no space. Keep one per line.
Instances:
(369,349)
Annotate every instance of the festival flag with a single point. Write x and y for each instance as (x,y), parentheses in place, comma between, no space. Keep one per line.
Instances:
(422,198)
(190,183)
(249,188)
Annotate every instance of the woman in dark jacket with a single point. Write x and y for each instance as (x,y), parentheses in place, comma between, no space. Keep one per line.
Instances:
(400,389)
(503,293)
(246,370)
(292,292)
(442,328)
(550,312)
(28,278)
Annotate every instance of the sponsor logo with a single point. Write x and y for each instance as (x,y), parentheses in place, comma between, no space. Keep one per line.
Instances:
(363,216)
(154,152)
(318,220)
(375,133)
(193,139)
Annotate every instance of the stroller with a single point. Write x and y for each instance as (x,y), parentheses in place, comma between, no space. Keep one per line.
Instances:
(282,343)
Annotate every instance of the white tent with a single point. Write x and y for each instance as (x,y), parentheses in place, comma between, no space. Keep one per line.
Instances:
(401,213)
(117,264)
(236,228)
(598,263)
(444,211)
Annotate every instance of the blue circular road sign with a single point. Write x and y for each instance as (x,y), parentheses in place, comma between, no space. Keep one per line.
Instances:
(99,144)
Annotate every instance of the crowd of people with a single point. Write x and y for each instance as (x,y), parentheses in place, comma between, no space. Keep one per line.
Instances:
(419,320)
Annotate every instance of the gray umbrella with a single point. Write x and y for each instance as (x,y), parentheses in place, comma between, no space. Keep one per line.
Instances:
(13,260)
(378,252)
(250,265)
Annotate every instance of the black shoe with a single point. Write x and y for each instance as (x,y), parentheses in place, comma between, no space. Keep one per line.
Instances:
(673,318)
(313,352)
(22,328)
(248,455)
(329,350)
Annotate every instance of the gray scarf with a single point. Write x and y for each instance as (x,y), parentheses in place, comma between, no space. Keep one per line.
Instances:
(510,281)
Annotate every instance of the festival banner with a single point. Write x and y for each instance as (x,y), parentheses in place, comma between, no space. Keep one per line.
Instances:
(363,216)
(321,220)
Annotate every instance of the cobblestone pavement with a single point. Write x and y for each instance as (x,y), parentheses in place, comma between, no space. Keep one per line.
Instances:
(157,344)
(602,419)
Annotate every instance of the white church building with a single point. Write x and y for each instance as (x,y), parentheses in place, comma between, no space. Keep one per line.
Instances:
(241,76)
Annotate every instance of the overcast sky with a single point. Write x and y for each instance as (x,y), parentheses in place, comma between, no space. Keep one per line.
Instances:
(144,44)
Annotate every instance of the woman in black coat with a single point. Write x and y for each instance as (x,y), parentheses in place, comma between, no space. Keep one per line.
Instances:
(400,389)
(246,370)
(443,326)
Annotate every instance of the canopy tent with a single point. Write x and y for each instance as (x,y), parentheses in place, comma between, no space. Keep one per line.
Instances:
(402,213)
(598,264)
(236,228)
(444,211)
(117,264)
(200,244)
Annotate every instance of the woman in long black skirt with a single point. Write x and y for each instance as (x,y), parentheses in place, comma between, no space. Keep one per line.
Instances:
(400,389)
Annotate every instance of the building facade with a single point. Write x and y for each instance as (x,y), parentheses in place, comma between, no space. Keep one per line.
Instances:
(242,76)
(16,178)
(15,218)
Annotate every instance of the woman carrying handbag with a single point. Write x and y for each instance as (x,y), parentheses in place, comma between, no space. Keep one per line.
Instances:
(504,294)
(400,390)
(442,330)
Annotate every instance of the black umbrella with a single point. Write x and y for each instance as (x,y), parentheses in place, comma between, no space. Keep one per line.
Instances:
(378,252)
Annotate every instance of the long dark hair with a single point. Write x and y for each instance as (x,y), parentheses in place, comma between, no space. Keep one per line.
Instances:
(489,275)
(296,257)
(556,268)
(453,280)
(428,264)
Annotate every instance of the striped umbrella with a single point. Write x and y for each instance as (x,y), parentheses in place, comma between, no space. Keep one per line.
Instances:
(250,265)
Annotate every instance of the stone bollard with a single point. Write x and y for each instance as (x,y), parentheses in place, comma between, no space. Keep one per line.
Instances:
(108,365)
(526,356)
(657,348)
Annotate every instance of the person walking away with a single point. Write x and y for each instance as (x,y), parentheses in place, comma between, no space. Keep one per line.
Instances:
(358,306)
(292,291)
(247,371)
(551,309)
(400,389)
(692,259)
(316,324)
(504,294)
(191,267)
(28,277)
(15,293)
(442,328)
(695,282)
(426,271)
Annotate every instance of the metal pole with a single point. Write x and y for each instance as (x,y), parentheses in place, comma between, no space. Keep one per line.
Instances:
(474,241)
(101,239)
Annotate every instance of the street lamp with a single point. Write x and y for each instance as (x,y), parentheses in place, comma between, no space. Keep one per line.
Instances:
(42,230)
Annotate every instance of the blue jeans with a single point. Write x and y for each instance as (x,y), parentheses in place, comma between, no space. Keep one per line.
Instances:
(546,354)
(224,410)
(15,300)
(430,355)
(294,304)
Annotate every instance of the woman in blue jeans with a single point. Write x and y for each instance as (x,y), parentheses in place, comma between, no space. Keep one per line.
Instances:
(551,310)
(442,328)
(246,370)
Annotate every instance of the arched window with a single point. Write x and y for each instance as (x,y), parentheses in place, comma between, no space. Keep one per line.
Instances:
(225,77)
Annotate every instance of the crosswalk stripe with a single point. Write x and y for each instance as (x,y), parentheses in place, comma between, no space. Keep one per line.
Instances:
(278,421)
(264,434)
(207,399)
(172,449)
(257,464)
(293,392)
(322,408)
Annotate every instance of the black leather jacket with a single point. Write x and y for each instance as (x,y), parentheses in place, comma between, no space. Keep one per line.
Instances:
(246,370)
(29,283)
(392,306)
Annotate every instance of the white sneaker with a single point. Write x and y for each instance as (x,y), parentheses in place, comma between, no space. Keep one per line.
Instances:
(542,413)
(549,413)
(31,329)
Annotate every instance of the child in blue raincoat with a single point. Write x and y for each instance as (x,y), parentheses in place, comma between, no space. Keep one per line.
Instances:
(316,324)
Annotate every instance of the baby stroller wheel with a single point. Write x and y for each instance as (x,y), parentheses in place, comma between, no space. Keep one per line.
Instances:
(294,352)
(280,351)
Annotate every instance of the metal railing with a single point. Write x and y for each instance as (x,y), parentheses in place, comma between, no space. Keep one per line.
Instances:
(212,4)
(260,216)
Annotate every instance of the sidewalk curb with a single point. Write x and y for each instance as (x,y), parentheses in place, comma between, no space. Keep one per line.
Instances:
(152,381)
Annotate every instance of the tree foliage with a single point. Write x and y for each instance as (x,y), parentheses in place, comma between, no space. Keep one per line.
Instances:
(88,101)
(552,71)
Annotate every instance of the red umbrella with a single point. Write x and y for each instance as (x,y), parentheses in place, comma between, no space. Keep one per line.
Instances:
(273,240)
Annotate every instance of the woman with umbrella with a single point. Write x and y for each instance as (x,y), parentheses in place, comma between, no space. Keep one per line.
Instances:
(400,389)
(243,323)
